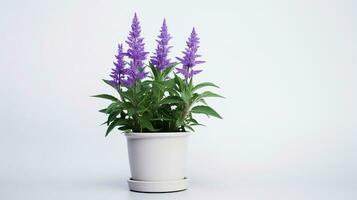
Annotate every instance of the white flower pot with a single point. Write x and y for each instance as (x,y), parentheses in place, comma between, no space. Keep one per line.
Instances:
(157,161)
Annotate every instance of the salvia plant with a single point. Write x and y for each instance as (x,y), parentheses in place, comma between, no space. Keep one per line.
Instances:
(159,96)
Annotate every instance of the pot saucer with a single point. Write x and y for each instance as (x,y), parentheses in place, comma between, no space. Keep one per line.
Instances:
(158,186)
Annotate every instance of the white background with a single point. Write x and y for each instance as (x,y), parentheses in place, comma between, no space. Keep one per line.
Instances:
(286,68)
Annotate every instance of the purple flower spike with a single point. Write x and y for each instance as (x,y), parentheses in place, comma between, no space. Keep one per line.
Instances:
(189,59)
(160,59)
(118,72)
(136,53)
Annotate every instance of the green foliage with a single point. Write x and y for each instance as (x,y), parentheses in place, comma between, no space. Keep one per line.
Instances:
(159,104)
(106,96)
(205,110)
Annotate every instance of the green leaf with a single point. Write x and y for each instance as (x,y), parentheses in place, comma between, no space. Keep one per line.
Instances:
(186,96)
(195,97)
(143,101)
(209,94)
(167,71)
(111,84)
(154,71)
(146,82)
(159,85)
(112,116)
(197,124)
(125,128)
(147,124)
(190,84)
(114,107)
(190,128)
(110,128)
(171,100)
(205,110)
(204,84)
(203,101)
(128,95)
(116,122)
(179,82)
(106,96)
(193,120)
(103,110)
(130,108)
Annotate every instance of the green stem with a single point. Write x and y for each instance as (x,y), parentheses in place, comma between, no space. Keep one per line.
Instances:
(136,116)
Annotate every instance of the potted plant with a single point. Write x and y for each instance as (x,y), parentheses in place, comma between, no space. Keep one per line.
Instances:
(156,110)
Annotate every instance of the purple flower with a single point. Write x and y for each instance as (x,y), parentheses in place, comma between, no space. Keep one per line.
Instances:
(136,53)
(189,59)
(160,59)
(118,72)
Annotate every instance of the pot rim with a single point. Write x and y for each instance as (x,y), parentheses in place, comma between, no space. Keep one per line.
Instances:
(157,134)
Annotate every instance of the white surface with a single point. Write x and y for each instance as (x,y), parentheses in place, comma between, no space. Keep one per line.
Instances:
(157,156)
(287,68)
